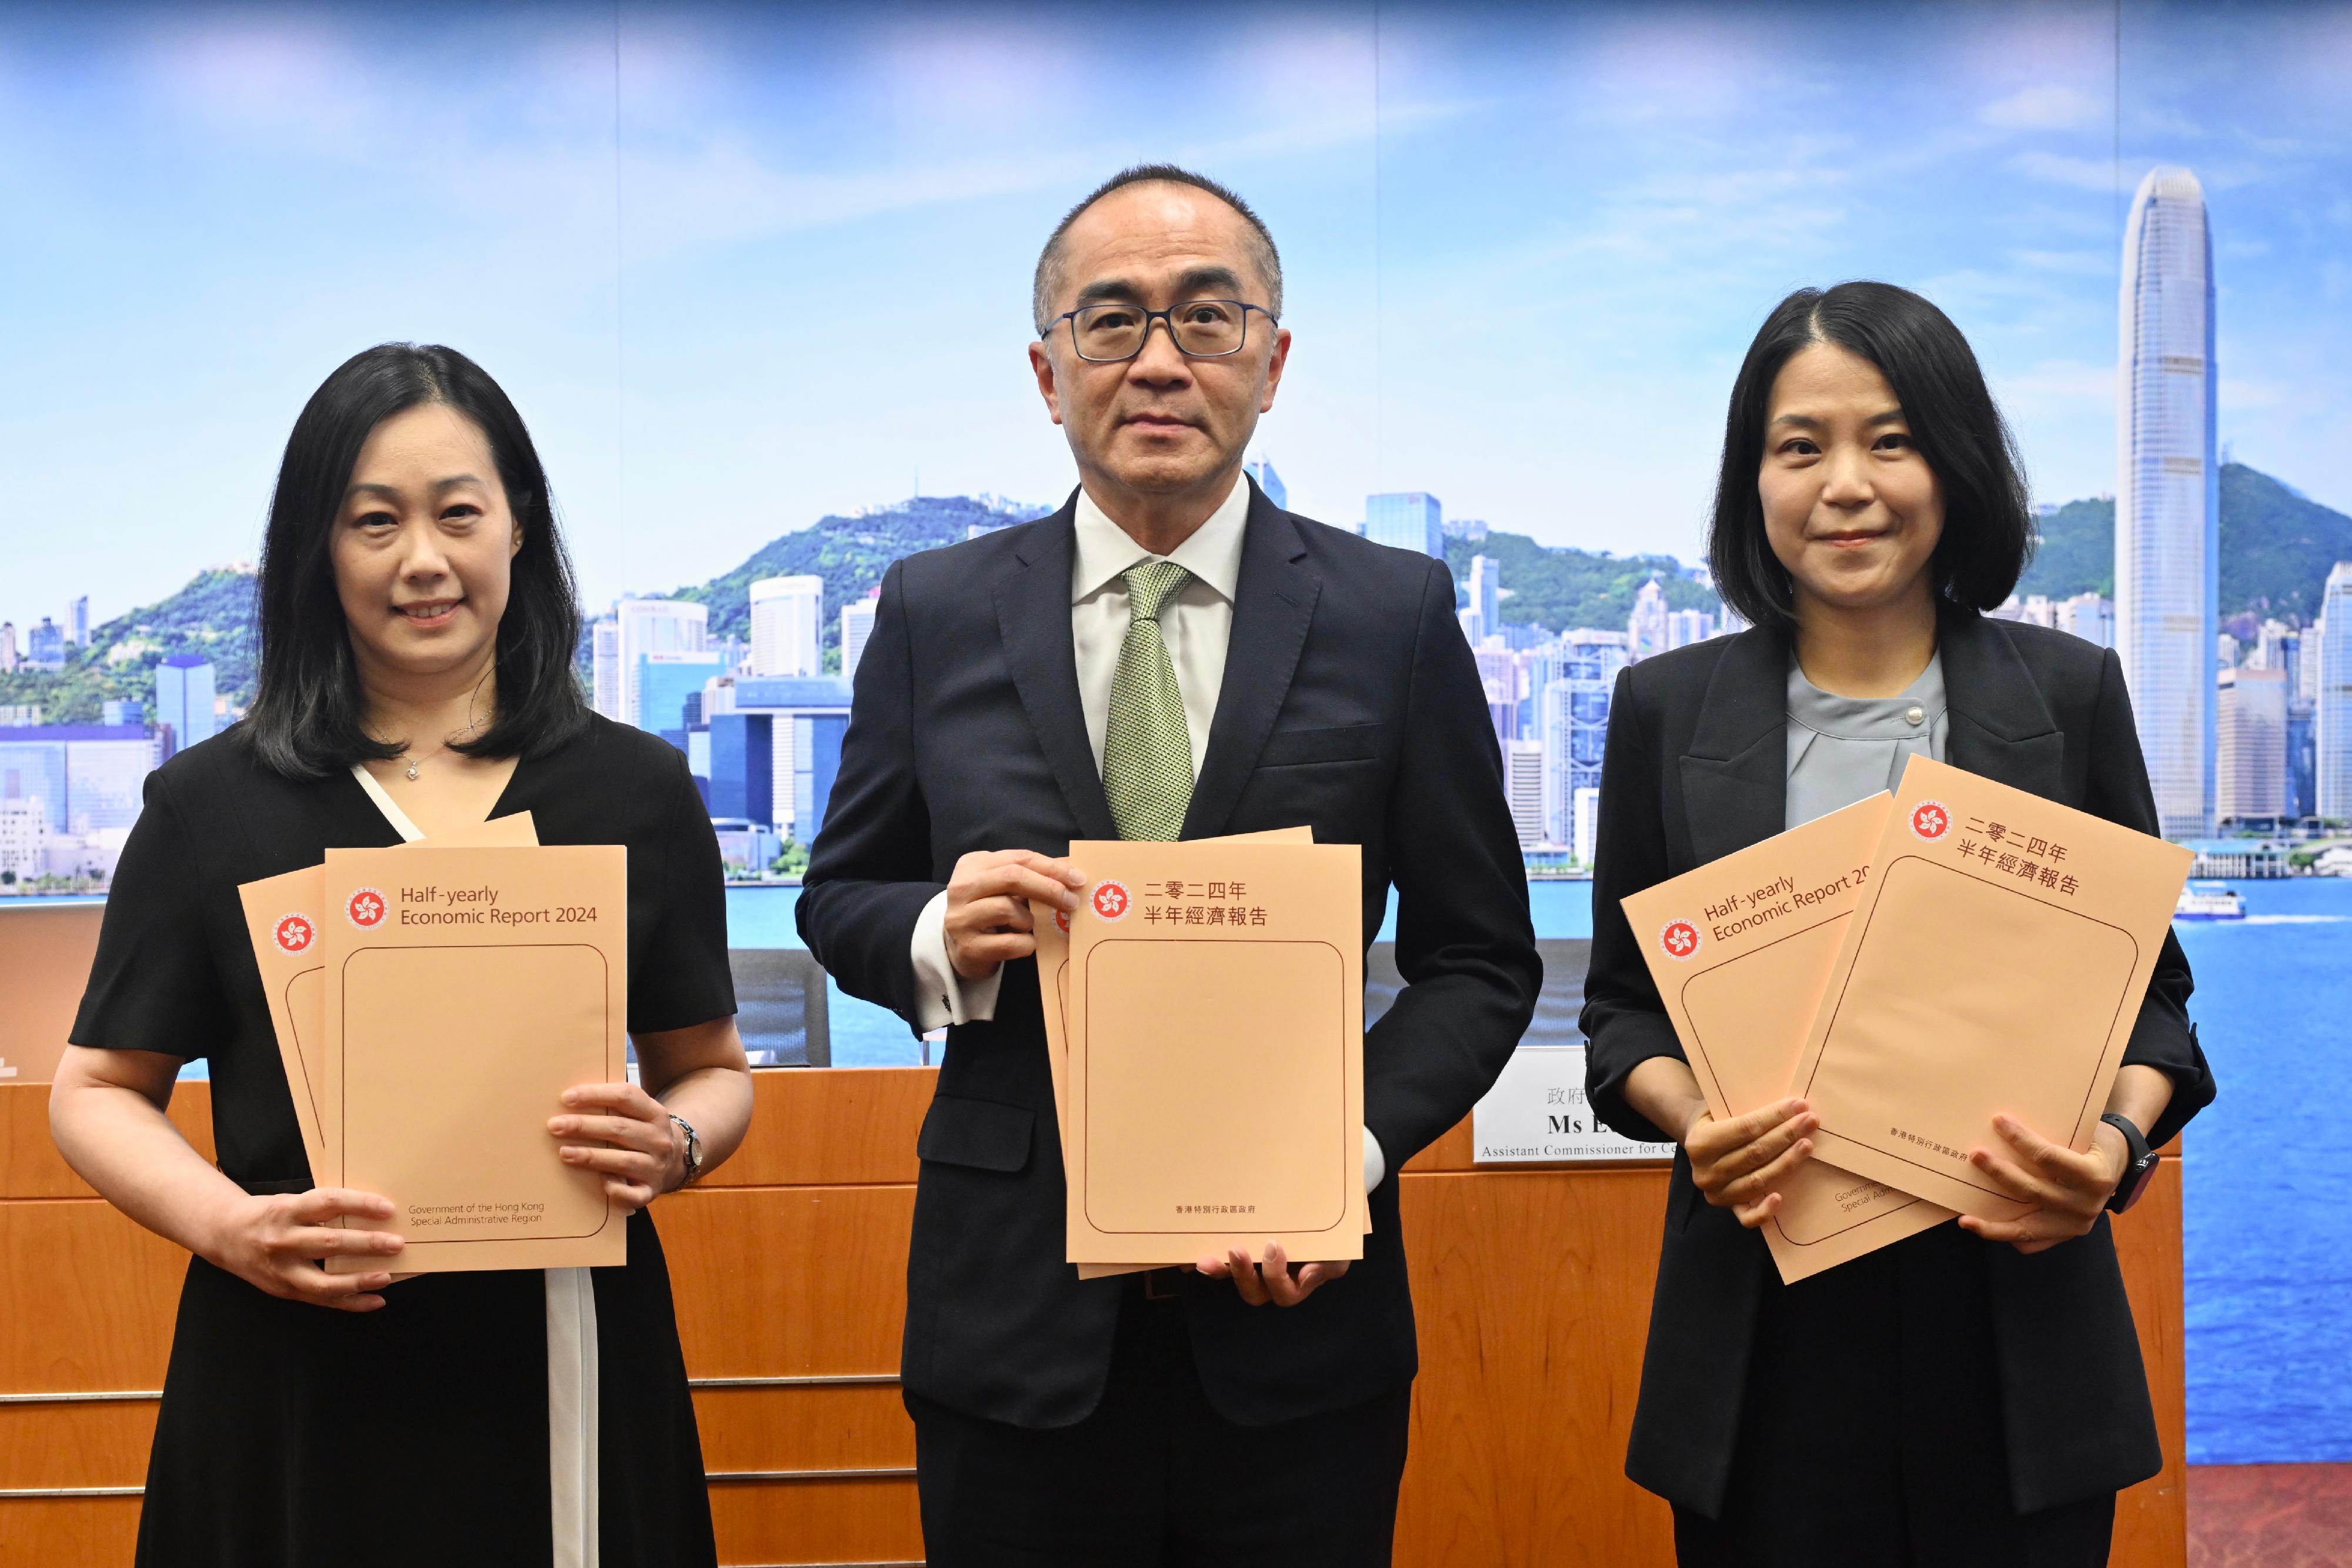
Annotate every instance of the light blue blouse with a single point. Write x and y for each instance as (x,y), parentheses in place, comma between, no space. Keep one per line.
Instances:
(1841,749)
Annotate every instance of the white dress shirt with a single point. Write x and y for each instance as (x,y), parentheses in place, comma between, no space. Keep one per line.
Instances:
(1196,622)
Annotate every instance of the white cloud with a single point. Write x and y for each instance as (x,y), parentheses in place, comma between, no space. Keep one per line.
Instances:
(2048,107)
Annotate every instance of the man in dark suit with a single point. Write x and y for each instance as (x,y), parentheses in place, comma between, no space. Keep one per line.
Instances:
(1169,655)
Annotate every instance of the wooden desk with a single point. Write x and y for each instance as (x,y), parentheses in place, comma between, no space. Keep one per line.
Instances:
(1532,1287)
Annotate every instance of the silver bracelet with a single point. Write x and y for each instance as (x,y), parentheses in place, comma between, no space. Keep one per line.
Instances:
(693,1149)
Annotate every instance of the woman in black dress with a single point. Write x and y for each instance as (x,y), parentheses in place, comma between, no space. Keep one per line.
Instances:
(417,633)
(1973,1394)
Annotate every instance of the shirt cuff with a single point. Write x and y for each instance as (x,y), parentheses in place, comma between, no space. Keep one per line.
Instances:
(942,996)
(1376,1163)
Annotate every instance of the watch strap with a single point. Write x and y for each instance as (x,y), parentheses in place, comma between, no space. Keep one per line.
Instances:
(2139,1163)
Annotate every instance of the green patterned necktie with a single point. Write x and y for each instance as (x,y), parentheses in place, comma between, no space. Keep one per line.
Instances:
(1147,747)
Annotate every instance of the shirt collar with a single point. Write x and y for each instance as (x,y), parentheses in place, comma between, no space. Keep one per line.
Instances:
(1212,553)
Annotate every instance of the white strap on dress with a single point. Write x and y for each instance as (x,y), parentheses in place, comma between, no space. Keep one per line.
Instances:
(571,1399)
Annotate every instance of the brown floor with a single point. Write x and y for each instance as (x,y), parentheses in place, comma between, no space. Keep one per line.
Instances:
(2269,1516)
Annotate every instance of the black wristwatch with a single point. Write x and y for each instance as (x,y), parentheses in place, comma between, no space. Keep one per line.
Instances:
(2138,1168)
(693,1148)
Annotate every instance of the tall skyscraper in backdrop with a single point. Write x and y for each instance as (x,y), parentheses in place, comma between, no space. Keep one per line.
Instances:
(1576,724)
(1407,520)
(184,699)
(1268,481)
(858,624)
(2251,750)
(1648,628)
(2331,696)
(77,622)
(2168,497)
(788,626)
(653,626)
(604,669)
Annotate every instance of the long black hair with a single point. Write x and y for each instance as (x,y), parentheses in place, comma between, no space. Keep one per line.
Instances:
(305,721)
(1988,521)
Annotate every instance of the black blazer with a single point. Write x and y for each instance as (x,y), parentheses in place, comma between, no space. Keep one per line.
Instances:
(1696,767)
(1350,703)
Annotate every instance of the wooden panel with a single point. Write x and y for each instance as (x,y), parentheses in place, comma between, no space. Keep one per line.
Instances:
(817,1521)
(87,1299)
(1532,1293)
(2152,1517)
(860,1428)
(45,958)
(787,1281)
(82,1444)
(1532,1287)
(67,1532)
(831,1126)
(30,1165)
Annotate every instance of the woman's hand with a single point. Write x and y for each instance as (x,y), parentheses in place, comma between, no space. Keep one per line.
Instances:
(626,1135)
(2068,1190)
(1737,1163)
(272,1243)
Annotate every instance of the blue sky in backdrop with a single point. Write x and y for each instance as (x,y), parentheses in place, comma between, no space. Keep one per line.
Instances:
(743,266)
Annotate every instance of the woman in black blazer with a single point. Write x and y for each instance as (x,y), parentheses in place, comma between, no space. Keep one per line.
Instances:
(1974,1393)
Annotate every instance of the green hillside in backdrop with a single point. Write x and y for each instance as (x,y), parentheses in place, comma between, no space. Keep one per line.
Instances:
(850,554)
(212,616)
(2277,545)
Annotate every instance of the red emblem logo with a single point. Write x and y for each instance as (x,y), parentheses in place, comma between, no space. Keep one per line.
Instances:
(1931,819)
(1110,899)
(295,933)
(365,909)
(1062,921)
(1680,939)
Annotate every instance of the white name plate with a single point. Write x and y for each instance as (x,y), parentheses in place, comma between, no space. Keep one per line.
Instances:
(1536,1114)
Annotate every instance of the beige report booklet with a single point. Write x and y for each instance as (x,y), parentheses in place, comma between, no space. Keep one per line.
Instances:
(1741,949)
(1994,965)
(1216,1052)
(466,988)
(1053,932)
(281,918)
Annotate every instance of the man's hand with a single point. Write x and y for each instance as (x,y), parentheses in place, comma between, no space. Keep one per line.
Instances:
(987,919)
(1271,1280)
(1737,1163)
(2067,1190)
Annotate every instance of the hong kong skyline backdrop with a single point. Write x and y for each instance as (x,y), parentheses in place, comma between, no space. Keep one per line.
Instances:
(740,269)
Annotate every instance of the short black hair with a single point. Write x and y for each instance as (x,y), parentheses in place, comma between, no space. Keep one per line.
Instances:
(1048,279)
(1988,521)
(306,719)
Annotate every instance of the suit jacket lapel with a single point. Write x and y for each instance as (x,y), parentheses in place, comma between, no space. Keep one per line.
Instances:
(2002,727)
(1735,777)
(1033,616)
(1274,600)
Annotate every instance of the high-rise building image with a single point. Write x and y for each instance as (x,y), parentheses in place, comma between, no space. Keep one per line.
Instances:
(653,626)
(184,699)
(787,626)
(1269,481)
(2331,697)
(1407,520)
(857,627)
(2167,496)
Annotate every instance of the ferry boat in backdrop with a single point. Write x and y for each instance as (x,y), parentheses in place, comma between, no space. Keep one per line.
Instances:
(2209,901)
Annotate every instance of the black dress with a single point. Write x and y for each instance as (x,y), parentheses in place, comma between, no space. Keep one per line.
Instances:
(293,1434)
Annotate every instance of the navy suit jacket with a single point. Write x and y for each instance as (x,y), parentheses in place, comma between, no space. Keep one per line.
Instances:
(1351,703)
(1697,767)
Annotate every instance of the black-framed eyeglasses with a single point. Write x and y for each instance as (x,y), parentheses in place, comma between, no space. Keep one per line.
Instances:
(1201,328)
